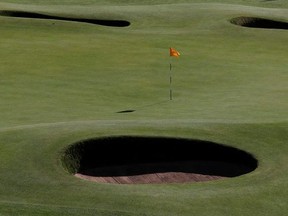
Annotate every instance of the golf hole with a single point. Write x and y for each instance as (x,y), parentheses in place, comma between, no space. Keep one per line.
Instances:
(255,22)
(143,160)
(32,15)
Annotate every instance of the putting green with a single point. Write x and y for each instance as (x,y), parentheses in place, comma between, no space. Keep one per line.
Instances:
(63,81)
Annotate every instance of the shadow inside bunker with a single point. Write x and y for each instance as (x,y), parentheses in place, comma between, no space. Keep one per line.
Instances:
(131,155)
(33,15)
(256,22)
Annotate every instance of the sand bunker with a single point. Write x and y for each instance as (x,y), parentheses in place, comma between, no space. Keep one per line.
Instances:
(255,22)
(32,15)
(138,160)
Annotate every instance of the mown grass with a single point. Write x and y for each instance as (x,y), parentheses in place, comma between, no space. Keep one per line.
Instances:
(62,82)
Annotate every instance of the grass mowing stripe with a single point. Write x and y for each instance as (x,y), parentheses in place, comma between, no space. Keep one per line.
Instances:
(41,209)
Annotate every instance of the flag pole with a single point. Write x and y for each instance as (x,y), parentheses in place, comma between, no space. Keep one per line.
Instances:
(173,53)
(170,83)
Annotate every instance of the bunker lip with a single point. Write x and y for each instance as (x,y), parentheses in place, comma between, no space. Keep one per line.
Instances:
(257,22)
(140,160)
(33,15)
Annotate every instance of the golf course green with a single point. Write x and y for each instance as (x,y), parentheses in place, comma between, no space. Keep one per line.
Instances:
(76,72)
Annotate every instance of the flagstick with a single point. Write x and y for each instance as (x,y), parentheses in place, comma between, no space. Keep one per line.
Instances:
(173,53)
(170,81)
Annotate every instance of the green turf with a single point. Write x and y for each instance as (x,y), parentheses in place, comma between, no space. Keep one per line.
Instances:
(62,82)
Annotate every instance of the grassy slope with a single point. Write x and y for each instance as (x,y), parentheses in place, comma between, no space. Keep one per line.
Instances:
(271,3)
(65,81)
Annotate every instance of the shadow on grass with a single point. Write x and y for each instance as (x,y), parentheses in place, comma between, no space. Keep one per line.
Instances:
(254,22)
(32,15)
(126,111)
(133,155)
(143,107)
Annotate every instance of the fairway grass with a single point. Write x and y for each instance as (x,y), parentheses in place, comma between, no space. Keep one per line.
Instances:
(64,81)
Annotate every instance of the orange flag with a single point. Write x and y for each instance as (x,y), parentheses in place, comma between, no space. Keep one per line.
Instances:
(174,52)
